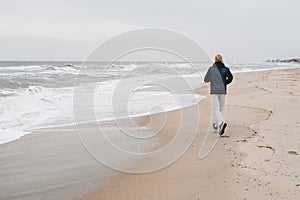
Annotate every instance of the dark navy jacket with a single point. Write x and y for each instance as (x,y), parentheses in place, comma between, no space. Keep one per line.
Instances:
(219,77)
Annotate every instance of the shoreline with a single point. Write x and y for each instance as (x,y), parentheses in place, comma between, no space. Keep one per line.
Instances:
(51,126)
(147,114)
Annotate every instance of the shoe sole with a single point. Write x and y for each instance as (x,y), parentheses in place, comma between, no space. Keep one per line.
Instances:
(222,131)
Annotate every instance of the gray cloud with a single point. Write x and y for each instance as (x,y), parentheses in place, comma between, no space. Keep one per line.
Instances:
(248,30)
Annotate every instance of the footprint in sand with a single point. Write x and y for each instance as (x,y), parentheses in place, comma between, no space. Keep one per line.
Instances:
(293,152)
(267,147)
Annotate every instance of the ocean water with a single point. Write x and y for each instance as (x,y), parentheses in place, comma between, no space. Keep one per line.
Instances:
(38,94)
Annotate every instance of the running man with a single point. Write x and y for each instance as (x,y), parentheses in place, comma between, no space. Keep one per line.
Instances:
(219,77)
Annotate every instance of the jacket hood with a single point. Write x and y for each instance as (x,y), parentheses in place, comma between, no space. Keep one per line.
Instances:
(219,65)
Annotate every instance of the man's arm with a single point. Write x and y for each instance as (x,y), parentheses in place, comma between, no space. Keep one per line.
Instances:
(207,76)
(229,76)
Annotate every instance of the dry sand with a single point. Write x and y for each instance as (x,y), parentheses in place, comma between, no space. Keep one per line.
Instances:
(258,158)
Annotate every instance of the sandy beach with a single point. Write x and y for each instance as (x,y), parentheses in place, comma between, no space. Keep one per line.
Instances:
(258,157)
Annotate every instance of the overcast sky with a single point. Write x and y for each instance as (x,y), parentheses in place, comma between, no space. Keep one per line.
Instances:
(242,30)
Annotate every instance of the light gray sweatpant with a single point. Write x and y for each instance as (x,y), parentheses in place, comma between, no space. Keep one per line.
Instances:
(218,105)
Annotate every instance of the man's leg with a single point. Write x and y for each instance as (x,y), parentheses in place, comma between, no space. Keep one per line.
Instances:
(213,105)
(216,109)
(222,105)
(222,111)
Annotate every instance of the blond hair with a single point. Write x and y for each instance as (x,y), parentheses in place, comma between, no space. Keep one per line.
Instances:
(218,58)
